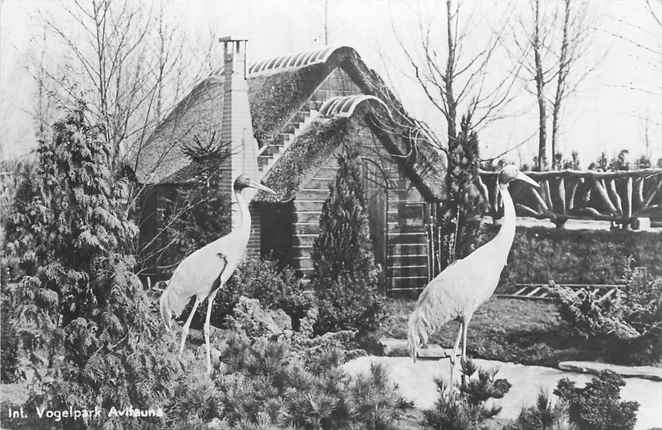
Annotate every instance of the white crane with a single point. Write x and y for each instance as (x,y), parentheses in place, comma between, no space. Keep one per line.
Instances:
(456,293)
(206,270)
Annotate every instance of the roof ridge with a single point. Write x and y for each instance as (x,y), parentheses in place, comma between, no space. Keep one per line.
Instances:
(295,60)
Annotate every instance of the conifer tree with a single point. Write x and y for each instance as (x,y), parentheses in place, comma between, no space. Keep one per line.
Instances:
(83,322)
(343,247)
(197,214)
(345,275)
(462,213)
(69,215)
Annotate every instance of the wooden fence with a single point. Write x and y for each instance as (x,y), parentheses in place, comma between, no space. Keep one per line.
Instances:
(621,197)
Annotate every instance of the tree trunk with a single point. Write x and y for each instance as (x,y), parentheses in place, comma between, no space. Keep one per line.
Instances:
(540,93)
(561,78)
(451,214)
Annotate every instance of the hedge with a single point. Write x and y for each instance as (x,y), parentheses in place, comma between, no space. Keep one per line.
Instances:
(578,256)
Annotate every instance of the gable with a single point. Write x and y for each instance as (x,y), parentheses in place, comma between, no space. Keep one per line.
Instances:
(322,138)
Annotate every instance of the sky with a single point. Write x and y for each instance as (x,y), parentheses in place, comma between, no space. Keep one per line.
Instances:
(611,109)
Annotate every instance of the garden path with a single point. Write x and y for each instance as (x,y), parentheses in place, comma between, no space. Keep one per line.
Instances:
(416,383)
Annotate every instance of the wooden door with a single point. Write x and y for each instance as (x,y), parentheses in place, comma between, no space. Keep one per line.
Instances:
(376,193)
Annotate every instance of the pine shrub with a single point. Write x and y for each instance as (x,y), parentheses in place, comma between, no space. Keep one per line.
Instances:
(626,326)
(194,215)
(345,278)
(266,383)
(462,213)
(262,279)
(545,415)
(597,406)
(466,409)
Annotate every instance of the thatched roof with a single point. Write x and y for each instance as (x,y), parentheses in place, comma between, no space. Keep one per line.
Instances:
(322,137)
(198,114)
(277,89)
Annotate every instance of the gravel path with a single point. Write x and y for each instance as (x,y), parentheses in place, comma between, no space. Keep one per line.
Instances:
(416,383)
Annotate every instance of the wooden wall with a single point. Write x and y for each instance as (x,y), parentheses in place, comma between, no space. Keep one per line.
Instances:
(404,240)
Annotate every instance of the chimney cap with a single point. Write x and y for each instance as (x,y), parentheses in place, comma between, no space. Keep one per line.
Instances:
(229,38)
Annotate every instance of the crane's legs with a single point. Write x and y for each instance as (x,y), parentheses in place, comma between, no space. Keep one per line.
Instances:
(455,350)
(465,325)
(207,327)
(187,324)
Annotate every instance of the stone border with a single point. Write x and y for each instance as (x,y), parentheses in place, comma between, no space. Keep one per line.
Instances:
(644,372)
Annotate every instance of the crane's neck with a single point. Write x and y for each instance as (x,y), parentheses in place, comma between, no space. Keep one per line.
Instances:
(504,239)
(244,222)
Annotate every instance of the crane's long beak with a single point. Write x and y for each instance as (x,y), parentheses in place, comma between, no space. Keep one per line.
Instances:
(261,187)
(522,177)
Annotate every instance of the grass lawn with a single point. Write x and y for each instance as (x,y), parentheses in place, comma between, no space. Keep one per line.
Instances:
(521,331)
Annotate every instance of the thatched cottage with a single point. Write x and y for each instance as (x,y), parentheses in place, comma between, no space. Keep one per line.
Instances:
(287,118)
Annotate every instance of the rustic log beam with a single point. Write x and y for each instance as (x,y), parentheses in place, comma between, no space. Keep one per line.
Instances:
(595,174)
(571,204)
(548,194)
(616,197)
(483,189)
(540,200)
(590,174)
(600,187)
(628,191)
(531,211)
(653,193)
(562,194)
(495,203)
(640,191)
(598,214)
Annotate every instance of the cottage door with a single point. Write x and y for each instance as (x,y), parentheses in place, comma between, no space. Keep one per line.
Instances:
(375,189)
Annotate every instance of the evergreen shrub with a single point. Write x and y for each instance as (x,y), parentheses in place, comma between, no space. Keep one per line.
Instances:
(346,279)
(597,406)
(626,326)
(466,409)
(262,279)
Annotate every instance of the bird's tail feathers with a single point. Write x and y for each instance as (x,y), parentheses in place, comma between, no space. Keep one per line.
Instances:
(166,313)
(416,334)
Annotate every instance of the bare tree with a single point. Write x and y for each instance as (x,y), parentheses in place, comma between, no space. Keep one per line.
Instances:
(555,53)
(455,81)
(458,84)
(126,63)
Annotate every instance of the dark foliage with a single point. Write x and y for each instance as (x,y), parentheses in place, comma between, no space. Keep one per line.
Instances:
(577,256)
(70,210)
(465,409)
(268,382)
(82,321)
(543,416)
(261,279)
(343,246)
(349,303)
(627,326)
(345,277)
(462,213)
(194,214)
(597,406)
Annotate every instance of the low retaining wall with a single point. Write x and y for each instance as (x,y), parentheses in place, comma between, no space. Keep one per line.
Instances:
(578,256)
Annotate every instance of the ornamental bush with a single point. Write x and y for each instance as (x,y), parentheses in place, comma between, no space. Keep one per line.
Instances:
(597,406)
(193,215)
(262,279)
(545,415)
(86,332)
(466,409)
(265,383)
(626,326)
(345,276)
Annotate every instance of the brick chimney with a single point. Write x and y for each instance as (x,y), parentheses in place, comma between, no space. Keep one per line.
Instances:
(237,125)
